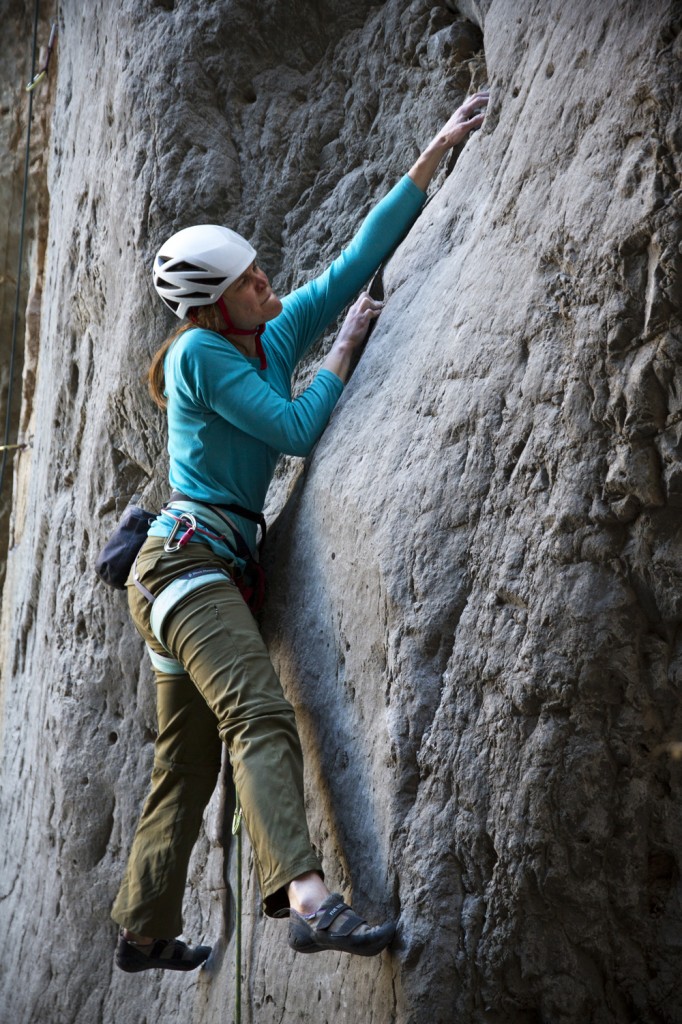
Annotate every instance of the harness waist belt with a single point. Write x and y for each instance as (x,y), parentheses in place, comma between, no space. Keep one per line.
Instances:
(220,510)
(207,518)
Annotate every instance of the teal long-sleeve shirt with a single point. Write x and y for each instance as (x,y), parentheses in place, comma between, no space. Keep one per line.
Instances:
(228,420)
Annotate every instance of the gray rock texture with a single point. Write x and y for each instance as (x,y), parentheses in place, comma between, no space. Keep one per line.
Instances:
(475,579)
(20,313)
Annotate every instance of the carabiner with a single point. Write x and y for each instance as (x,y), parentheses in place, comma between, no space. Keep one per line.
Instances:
(237,816)
(184,519)
(36,80)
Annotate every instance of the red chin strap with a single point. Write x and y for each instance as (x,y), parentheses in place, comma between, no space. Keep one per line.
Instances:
(231,329)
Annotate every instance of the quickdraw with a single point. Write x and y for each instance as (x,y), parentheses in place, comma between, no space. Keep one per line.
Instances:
(40,75)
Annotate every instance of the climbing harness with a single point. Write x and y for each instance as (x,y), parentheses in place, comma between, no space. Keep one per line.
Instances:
(251,580)
(220,511)
(164,603)
(119,556)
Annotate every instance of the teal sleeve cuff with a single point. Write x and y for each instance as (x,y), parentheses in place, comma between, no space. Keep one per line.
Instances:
(411,186)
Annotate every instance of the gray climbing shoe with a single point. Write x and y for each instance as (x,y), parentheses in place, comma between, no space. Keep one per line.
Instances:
(336,926)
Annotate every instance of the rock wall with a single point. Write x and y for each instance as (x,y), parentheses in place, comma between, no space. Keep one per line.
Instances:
(19,340)
(475,578)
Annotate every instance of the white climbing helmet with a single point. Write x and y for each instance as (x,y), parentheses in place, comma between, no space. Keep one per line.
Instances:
(197,264)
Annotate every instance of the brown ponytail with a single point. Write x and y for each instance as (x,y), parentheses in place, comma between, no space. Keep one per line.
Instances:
(207,317)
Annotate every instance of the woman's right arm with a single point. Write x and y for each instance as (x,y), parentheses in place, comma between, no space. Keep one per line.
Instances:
(208,372)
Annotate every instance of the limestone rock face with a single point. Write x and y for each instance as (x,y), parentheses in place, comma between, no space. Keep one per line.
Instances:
(475,579)
(20,313)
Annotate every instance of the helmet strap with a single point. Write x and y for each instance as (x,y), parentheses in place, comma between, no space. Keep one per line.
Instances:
(231,329)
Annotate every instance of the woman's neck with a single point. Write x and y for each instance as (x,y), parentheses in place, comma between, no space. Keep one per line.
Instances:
(246,344)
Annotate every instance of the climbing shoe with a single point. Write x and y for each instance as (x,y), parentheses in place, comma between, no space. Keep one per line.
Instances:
(167,954)
(336,926)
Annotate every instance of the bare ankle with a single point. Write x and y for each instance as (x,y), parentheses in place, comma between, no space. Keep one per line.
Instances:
(307,892)
(139,940)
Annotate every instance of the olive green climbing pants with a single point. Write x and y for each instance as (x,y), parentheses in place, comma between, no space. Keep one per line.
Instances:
(230,693)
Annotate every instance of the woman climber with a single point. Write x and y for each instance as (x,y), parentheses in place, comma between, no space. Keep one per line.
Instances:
(225,380)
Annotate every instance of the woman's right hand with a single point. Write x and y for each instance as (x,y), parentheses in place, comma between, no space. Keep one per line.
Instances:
(352,334)
(360,315)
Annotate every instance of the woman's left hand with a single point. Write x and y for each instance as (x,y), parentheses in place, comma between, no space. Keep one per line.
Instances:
(470,115)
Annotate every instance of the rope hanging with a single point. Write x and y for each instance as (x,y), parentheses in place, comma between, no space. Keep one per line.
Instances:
(237,831)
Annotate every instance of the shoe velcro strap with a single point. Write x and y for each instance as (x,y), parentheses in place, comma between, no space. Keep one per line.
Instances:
(345,927)
(168,949)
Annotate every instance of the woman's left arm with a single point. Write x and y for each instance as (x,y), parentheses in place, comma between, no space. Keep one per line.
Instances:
(310,309)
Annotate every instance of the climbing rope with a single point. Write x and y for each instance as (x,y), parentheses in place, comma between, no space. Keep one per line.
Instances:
(36,78)
(237,832)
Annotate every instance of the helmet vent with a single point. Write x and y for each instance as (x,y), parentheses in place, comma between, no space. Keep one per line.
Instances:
(185,268)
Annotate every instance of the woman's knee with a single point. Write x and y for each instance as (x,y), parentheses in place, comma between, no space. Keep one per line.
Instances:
(202,774)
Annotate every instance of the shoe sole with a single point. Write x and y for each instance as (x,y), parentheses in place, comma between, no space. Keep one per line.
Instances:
(136,968)
(342,945)
(131,965)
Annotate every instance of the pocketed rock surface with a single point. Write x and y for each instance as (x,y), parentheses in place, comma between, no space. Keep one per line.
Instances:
(475,579)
